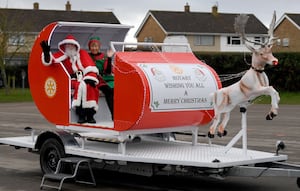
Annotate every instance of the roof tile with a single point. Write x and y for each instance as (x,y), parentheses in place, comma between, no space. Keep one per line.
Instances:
(35,20)
(197,22)
(294,17)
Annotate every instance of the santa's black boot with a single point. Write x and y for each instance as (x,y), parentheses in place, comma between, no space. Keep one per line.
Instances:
(110,106)
(90,112)
(81,115)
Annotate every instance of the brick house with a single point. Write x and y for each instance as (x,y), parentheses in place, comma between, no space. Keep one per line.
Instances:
(205,32)
(287,29)
(21,27)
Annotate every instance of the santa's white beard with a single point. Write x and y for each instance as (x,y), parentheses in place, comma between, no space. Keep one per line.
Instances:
(71,52)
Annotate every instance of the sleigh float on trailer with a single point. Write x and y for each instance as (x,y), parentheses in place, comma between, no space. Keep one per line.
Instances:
(157,94)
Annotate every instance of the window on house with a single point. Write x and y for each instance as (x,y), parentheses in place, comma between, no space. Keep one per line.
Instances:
(285,42)
(148,39)
(234,40)
(204,40)
(16,39)
(258,40)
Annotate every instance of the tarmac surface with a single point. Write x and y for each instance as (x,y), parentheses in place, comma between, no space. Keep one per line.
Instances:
(20,170)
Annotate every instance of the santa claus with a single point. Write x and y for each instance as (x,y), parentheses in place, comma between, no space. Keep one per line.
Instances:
(83,72)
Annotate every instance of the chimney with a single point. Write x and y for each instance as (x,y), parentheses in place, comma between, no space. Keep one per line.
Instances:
(187,8)
(214,10)
(68,6)
(36,6)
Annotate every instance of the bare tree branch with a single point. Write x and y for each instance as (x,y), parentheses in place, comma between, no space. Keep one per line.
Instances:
(8,29)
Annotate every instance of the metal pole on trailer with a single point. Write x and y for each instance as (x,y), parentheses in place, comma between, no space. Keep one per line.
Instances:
(241,134)
(244,129)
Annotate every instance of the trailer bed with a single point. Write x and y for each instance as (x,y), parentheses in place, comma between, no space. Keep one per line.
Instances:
(163,152)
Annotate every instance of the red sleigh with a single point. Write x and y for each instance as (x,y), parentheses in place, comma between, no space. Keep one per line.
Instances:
(142,101)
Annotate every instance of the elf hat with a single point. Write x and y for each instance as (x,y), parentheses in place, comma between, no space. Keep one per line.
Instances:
(94,39)
(70,39)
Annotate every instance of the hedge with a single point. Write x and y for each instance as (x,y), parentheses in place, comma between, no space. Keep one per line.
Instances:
(283,77)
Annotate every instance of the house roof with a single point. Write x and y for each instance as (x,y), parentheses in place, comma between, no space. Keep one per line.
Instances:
(292,17)
(32,20)
(198,22)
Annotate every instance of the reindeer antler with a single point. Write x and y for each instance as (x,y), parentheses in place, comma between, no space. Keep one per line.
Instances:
(271,38)
(240,25)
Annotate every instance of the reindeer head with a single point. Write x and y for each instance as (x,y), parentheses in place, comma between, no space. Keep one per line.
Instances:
(262,55)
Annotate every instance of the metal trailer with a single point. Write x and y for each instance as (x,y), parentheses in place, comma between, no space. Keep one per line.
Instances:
(154,155)
(139,148)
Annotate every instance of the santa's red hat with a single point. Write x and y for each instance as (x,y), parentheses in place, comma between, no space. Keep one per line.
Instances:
(70,39)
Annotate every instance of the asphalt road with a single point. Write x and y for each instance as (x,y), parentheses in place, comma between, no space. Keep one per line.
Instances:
(20,171)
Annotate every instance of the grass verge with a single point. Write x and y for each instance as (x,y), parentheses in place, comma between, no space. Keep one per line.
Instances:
(23,95)
(289,98)
(15,95)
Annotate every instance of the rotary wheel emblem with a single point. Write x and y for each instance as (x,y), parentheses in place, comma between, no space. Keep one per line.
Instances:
(50,87)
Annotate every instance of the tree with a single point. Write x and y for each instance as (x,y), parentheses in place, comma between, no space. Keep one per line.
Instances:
(13,40)
(3,48)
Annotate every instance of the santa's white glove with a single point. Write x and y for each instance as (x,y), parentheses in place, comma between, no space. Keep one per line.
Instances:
(79,76)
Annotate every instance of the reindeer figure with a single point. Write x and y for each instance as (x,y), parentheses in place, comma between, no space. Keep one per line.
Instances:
(254,83)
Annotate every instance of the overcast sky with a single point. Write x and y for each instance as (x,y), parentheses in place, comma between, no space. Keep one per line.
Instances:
(132,12)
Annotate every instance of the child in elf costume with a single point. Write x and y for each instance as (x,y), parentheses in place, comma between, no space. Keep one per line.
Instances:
(104,65)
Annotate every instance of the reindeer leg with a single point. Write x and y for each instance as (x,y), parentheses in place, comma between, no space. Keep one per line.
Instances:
(270,116)
(221,130)
(274,102)
(212,129)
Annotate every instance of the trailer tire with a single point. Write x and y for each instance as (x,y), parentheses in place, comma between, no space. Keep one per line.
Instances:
(50,153)
(298,182)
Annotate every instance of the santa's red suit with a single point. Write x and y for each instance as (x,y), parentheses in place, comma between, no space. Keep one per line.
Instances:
(82,69)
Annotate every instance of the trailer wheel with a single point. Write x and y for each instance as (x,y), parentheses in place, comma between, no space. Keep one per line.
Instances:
(298,182)
(50,153)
